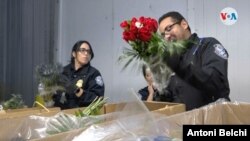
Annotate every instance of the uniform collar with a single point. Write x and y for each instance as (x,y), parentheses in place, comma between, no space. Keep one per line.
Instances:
(194,39)
(81,69)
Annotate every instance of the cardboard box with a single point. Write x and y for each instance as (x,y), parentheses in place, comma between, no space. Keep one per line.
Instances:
(217,113)
(72,111)
(166,108)
(14,118)
(68,135)
(224,113)
(2,112)
(64,136)
(40,109)
(126,109)
(10,124)
(220,113)
(15,113)
(227,113)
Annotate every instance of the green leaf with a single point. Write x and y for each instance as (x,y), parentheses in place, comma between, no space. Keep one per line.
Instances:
(94,107)
(157,46)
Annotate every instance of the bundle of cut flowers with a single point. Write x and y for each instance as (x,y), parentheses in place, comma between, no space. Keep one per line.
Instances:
(93,109)
(82,118)
(149,46)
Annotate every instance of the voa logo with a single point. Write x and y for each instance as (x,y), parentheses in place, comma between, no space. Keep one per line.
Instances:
(228,16)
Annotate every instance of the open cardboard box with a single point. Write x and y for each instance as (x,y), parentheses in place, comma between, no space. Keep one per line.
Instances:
(40,109)
(10,124)
(215,113)
(14,113)
(16,117)
(73,110)
(166,108)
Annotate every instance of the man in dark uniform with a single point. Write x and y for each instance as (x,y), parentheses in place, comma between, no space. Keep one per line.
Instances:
(200,74)
(83,83)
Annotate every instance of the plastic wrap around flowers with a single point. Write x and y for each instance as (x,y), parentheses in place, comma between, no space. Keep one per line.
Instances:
(149,47)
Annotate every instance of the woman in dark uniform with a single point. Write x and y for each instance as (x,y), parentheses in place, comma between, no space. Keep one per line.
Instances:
(83,82)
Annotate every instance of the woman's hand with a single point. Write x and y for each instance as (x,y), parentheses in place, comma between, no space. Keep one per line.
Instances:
(79,93)
(151,89)
(150,92)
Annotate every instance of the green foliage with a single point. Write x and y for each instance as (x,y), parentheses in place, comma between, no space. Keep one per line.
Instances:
(14,102)
(48,74)
(146,51)
(61,123)
(93,109)
(82,119)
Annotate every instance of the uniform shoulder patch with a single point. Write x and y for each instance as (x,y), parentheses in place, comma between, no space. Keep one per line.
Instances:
(99,80)
(220,51)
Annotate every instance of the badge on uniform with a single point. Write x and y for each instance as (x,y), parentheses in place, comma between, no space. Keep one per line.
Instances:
(99,81)
(220,51)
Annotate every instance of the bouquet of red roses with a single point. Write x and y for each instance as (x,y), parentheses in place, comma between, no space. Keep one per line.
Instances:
(141,34)
(138,33)
(149,46)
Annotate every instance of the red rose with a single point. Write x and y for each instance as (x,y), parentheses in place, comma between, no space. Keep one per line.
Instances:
(133,20)
(144,34)
(142,19)
(140,30)
(128,36)
(151,24)
(133,29)
(124,25)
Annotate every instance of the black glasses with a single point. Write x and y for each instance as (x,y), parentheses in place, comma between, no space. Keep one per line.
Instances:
(84,50)
(169,28)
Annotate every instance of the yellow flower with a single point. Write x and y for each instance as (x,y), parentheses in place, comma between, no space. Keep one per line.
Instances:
(79,83)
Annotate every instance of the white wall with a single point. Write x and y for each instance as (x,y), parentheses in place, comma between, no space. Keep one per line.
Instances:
(98,21)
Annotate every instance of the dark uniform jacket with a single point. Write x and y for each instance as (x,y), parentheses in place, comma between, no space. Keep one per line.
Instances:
(200,74)
(93,85)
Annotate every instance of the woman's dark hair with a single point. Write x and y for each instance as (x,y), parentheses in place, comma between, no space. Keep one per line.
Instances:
(174,15)
(76,47)
(144,68)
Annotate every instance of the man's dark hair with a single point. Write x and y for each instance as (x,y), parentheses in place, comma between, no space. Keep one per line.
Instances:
(176,16)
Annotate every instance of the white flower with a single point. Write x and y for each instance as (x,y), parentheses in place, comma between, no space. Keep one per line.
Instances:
(138,24)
